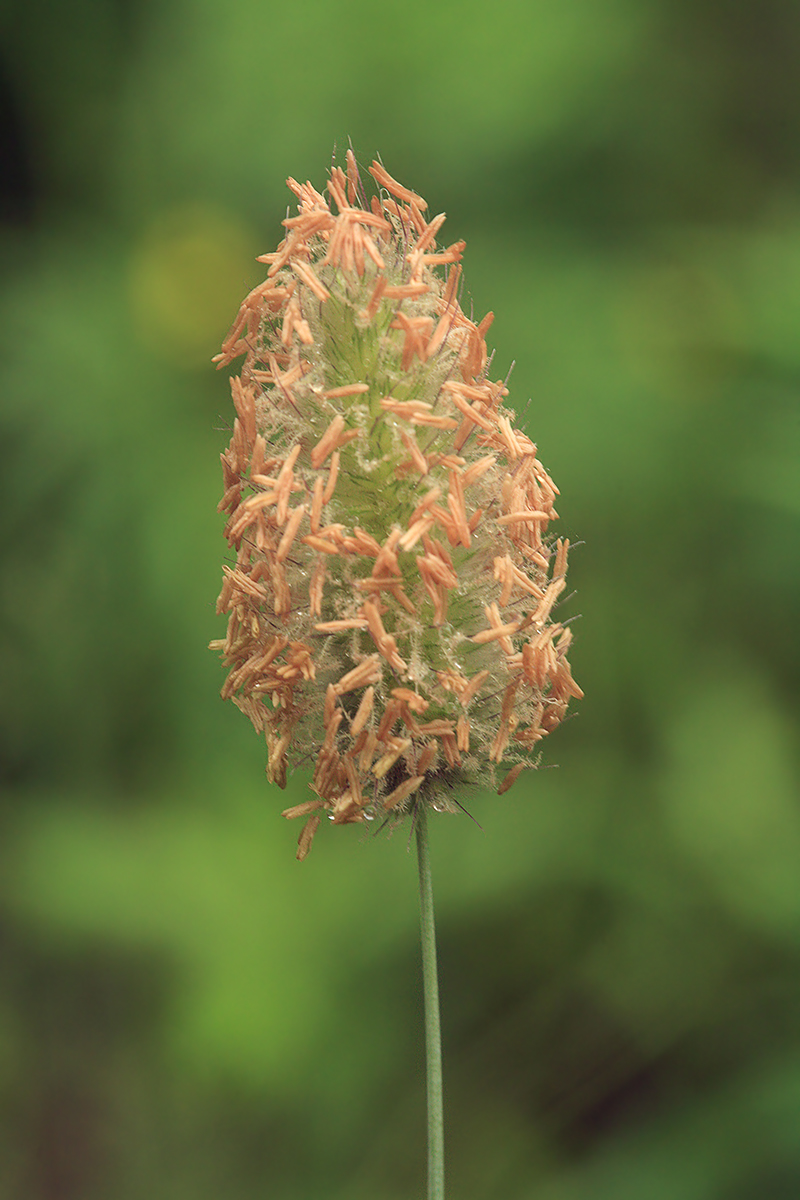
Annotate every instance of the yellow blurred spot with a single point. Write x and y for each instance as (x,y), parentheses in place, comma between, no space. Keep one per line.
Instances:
(188,273)
(674,321)
(730,796)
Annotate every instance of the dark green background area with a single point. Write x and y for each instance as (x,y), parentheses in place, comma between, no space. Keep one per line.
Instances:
(186,1012)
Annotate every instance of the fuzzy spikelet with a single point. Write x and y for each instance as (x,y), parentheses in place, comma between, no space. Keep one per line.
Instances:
(392,594)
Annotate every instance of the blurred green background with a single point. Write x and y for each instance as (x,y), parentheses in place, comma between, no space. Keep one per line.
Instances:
(186,1012)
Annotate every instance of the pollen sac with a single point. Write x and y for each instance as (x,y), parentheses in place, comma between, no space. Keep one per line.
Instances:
(391,583)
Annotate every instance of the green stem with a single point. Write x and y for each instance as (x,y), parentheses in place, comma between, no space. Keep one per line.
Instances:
(433,1033)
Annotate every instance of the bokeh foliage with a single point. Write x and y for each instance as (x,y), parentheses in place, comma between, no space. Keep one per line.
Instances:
(186,1012)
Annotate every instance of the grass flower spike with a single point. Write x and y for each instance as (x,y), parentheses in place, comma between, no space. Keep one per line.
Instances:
(392,584)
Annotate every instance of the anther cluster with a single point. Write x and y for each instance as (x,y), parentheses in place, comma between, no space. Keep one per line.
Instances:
(392,584)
